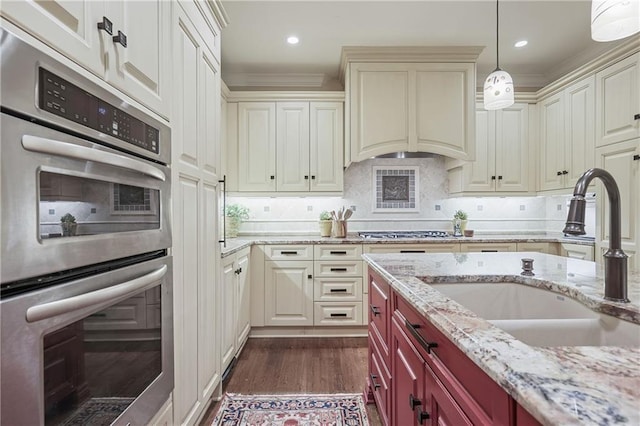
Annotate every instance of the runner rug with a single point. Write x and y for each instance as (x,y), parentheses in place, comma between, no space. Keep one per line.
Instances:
(292,410)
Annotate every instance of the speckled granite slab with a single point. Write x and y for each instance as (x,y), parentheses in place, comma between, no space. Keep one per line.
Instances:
(557,385)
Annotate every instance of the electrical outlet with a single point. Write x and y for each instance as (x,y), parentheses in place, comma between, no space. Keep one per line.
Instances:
(94,210)
(52,212)
(559,207)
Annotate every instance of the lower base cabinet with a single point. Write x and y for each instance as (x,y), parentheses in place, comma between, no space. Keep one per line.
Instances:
(431,381)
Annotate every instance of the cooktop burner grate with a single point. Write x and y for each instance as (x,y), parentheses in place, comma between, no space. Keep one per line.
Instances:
(402,234)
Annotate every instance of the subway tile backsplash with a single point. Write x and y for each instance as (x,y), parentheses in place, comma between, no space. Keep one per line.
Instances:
(299,215)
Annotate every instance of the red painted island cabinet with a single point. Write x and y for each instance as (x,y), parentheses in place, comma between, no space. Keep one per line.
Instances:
(417,376)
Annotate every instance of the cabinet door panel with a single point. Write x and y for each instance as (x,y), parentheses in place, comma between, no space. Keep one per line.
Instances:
(243,326)
(228,310)
(210,114)
(477,174)
(256,146)
(292,146)
(379,111)
(444,409)
(618,101)
(407,371)
(552,133)
(326,146)
(580,136)
(512,149)
(445,109)
(69,26)
(288,293)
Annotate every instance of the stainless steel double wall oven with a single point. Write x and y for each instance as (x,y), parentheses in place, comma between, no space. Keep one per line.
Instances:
(86,278)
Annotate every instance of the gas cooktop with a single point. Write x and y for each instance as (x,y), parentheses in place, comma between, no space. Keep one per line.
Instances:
(402,234)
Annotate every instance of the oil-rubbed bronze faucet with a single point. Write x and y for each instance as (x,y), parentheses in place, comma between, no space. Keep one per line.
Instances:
(615,260)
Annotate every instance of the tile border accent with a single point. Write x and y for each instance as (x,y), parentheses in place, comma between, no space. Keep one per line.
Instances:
(395,189)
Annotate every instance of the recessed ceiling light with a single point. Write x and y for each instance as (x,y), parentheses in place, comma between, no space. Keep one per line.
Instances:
(521,43)
(293,40)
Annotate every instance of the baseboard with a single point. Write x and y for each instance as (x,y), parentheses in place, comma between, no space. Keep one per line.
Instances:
(260,332)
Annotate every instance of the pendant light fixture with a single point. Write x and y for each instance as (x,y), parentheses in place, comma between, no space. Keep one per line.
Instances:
(614,19)
(498,86)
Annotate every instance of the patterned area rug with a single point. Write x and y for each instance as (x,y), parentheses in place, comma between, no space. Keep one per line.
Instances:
(292,410)
(98,411)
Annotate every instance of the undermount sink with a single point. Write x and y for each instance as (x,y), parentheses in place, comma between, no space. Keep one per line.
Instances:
(540,317)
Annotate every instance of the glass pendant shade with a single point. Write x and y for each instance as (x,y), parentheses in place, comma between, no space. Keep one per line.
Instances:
(498,90)
(614,19)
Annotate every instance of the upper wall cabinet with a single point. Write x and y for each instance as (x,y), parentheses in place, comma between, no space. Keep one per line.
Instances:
(410,99)
(503,154)
(124,43)
(288,147)
(618,102)
(566,135)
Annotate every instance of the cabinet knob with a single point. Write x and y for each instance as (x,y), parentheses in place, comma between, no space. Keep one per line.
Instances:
(106,25)
(564,172)
(499,177)
(414,402)
(422,416)
(559,173)
(306,177)
(636,157)
(120,38)
(636,117)
(272,177)
(309,276)
(373,378)
(313,177)
(493,178)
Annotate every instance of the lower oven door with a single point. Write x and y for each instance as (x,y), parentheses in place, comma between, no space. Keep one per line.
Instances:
(98,350)
(68,202)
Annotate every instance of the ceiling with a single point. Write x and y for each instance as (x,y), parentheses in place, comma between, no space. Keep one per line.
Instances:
(255,54)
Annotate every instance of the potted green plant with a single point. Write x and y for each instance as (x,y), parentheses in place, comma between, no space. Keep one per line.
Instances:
(325,224)
(235,215)
(69,225)
(460,217)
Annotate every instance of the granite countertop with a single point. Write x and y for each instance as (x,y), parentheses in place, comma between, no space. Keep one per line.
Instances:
(557,385)
(235,244)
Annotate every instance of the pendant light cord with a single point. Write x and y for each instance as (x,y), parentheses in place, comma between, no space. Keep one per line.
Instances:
(497,38)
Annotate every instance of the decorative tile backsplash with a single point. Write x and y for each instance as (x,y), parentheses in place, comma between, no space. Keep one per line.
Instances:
(395,189)
(299,215)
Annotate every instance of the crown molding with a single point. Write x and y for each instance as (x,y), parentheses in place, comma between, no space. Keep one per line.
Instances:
(224,90)
(520,97)
(284,96)
(622,51)
(407,54)
(276,80)
(215,6)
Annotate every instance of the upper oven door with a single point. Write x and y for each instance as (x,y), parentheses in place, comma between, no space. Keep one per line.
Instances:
(119,202)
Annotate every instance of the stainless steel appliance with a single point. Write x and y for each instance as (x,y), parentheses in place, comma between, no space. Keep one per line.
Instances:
(402,234)
(86,279)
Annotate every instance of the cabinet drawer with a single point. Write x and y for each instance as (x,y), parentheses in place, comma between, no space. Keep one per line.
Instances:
(337,313)
(337,268)
(379,311)
(337,289)
(487,247)
(413,248)
(288,252)
(338,252)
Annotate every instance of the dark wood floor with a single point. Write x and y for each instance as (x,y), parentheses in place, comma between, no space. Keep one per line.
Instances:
(300,365)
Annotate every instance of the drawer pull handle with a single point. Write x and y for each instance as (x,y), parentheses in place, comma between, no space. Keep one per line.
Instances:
(338,269)
(636,117)
(488,251)
(120,38)
(338,290)
(342,252)
(309,276)
(338,315)
(106,25)
(414,402)
(422,416)
(412,251)
(288,252)
(375,310)
(636,157)
(373,382)
(98,315)
(413,330)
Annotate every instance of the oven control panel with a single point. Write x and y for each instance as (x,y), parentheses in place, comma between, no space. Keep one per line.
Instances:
(64,99)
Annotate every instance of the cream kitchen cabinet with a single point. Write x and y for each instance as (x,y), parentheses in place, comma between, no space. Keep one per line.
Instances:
(411,107)
(195,176)
(503,154)
(622,160)
(567,135)
(235,306)
(288,285)
(287,147)
(618,102)
(487,247)
(577,251)
(413,248)
(130,50)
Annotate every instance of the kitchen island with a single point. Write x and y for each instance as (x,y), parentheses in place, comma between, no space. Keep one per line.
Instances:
(555,385)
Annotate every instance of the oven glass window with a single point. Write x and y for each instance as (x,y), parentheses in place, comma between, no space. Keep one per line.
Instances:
(96,367)
(76,206)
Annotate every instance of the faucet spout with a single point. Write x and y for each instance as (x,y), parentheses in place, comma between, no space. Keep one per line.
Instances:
(615,260)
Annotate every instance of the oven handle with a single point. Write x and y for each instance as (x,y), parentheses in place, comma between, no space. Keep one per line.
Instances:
(65,149)
(74,303)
